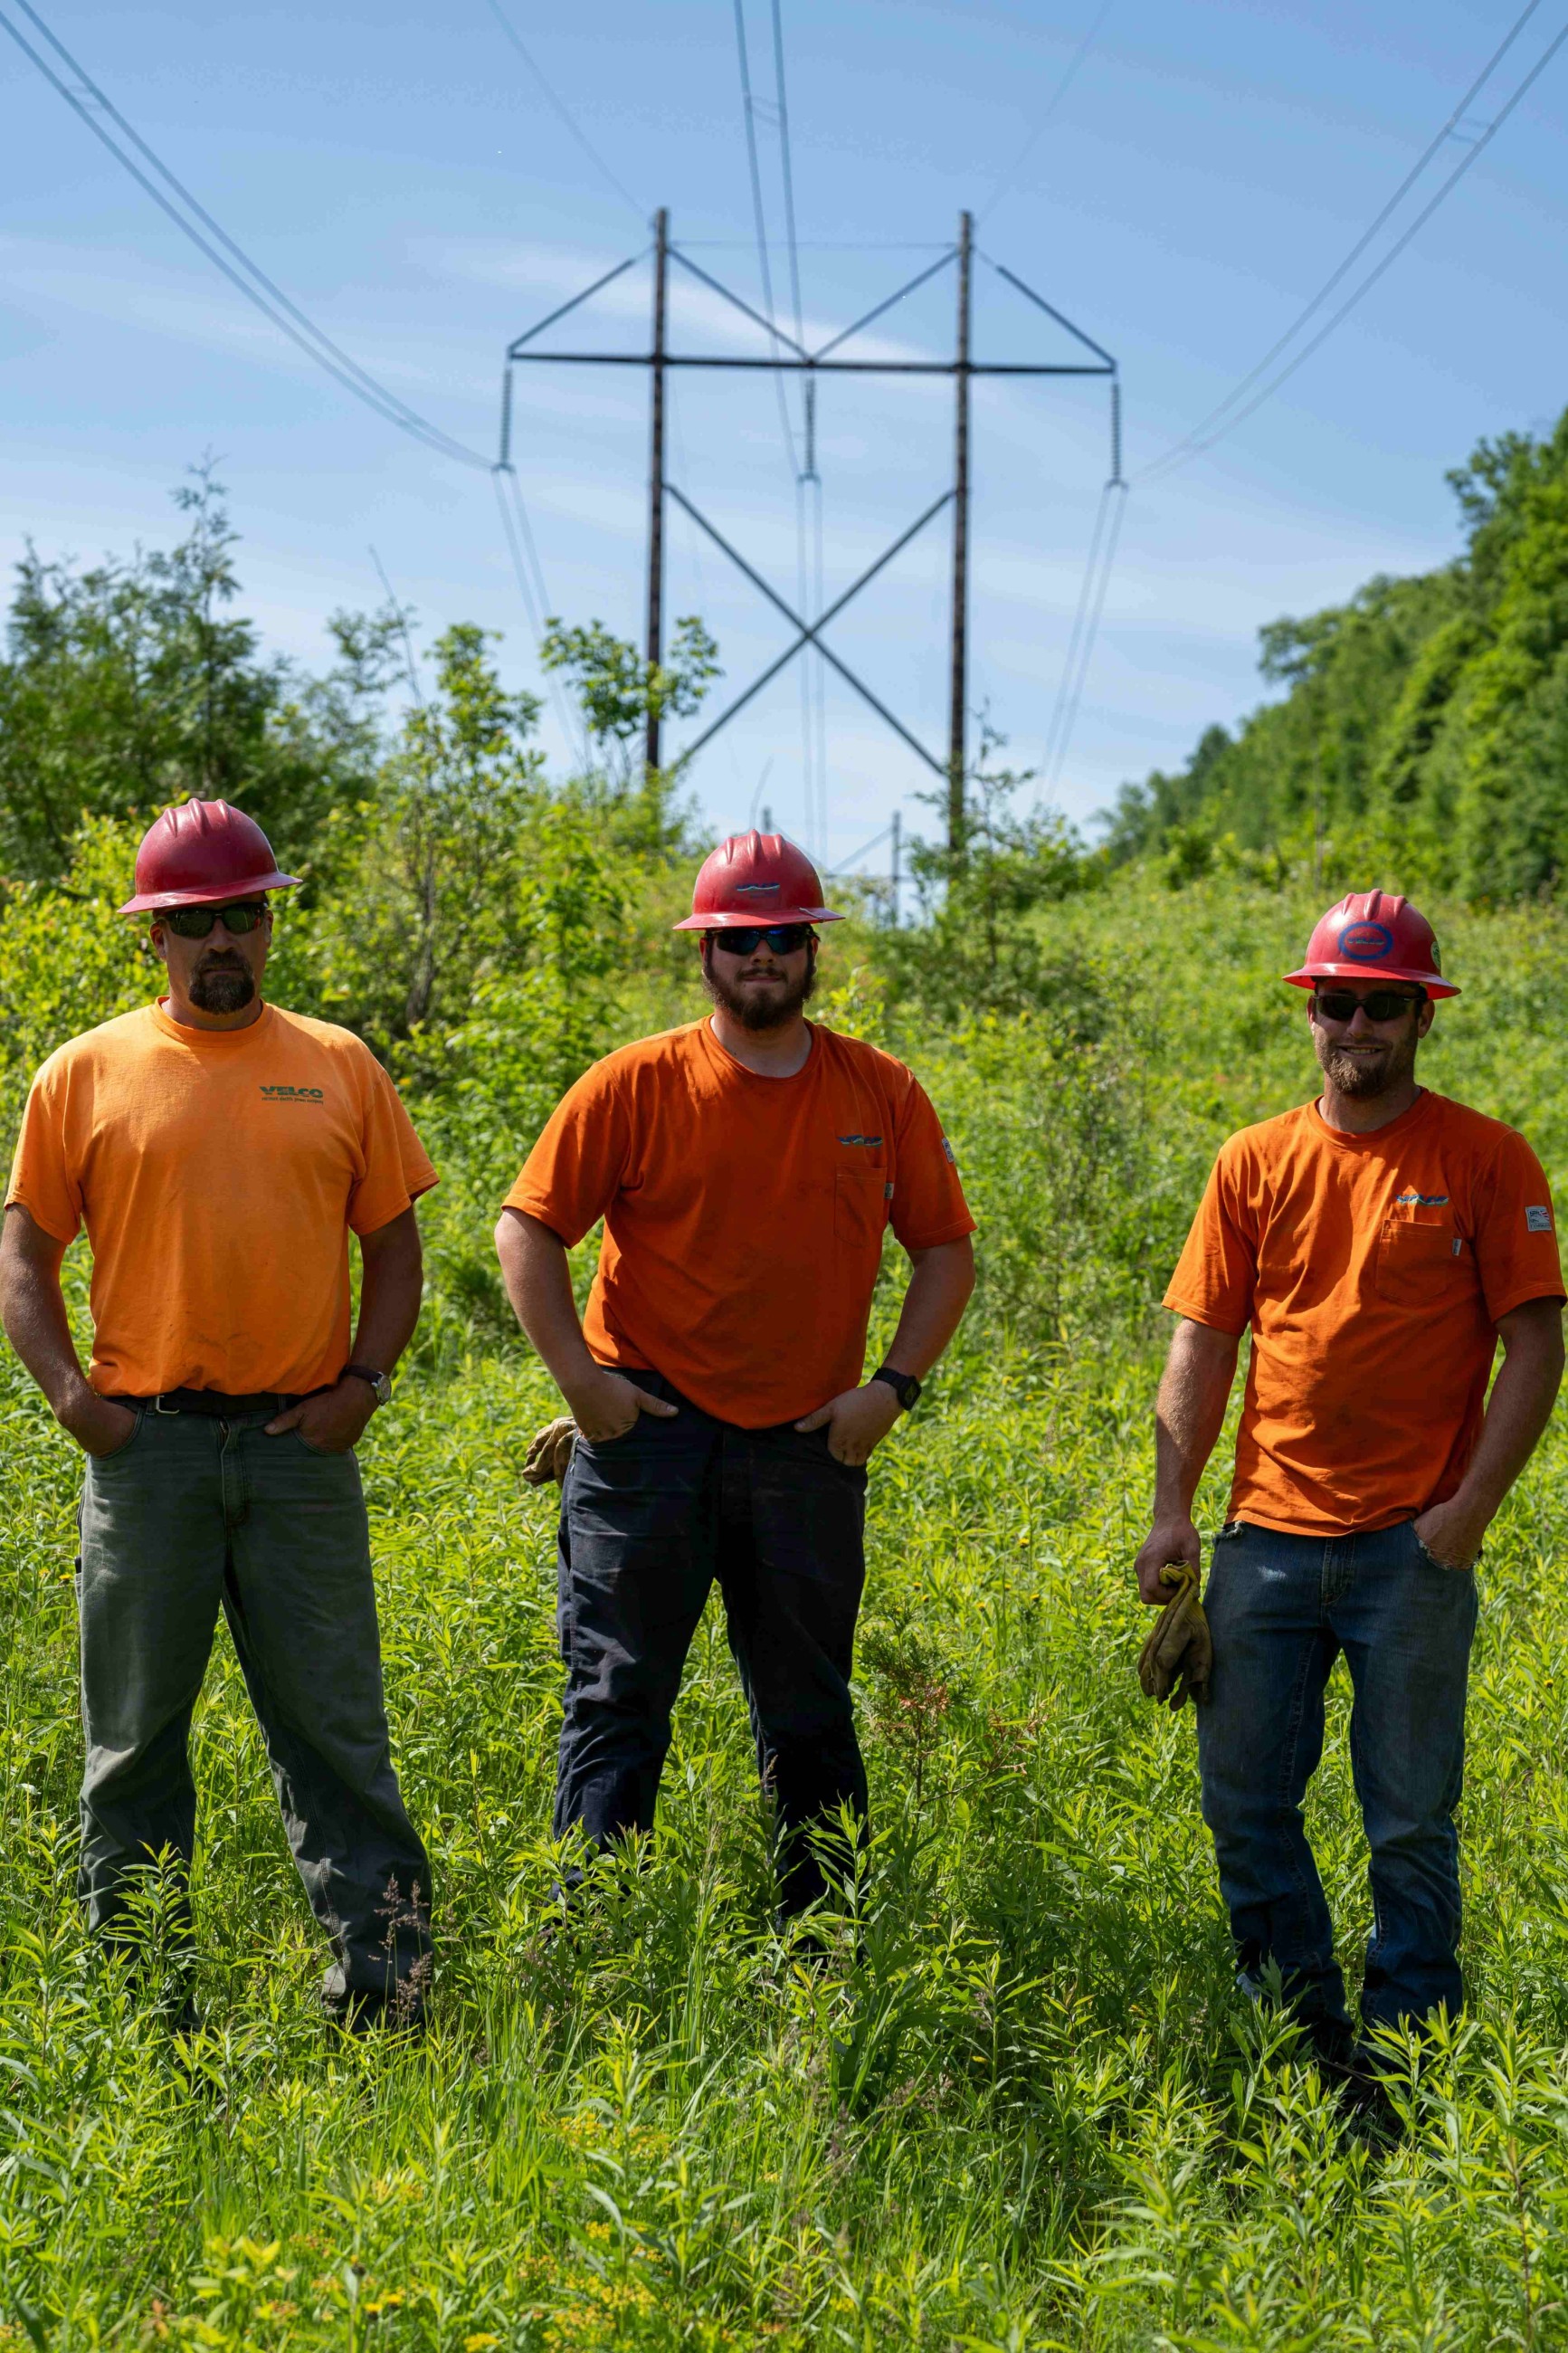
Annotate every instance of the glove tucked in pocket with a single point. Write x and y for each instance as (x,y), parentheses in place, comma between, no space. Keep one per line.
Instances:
(549,1455)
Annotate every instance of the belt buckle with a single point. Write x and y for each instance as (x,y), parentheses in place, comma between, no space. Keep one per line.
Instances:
(158,1407)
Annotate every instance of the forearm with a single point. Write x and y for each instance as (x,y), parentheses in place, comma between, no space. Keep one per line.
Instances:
(33,1309)
(1517,1412)
(1189,1414)
(939,1291)
(392,1291)
(538,1281)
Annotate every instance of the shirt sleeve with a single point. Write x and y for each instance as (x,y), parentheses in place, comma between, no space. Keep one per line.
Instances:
(581,1160)
(1217,1274)
(396,1168)
(1516,1232)
(45,1178)
(929,1207)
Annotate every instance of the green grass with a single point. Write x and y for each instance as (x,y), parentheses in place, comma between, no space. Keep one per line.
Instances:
(1019,2105)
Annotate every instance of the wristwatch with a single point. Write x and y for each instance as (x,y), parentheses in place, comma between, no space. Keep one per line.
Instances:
(904,1386)
(380,1382)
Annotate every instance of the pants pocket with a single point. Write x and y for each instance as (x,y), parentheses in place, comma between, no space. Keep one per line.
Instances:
(321,1453)
(1447,1567)
(126,1443)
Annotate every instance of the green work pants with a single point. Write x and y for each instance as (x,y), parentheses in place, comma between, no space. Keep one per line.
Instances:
(193,1514)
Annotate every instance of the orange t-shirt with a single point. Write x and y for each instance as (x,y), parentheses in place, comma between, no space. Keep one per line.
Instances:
(1373,1269)
(743,1215)
(218,1173)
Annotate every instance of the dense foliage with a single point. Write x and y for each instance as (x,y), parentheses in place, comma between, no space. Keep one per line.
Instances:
(1424,725)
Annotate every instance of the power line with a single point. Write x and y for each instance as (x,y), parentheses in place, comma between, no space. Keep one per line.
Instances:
(400,611)
(247,277)
(864,851)
(529,576)
(559,104)
(748,108)
(1201,439)
(787,169)
(802,472)
(1353,256)
(1057,96)
(808,488)
(1115,502)
(1081,619)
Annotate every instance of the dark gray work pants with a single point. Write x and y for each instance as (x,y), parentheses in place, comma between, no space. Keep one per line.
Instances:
(193,1516)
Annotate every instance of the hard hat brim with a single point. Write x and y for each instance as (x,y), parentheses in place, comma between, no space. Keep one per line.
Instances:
(1431,982)
(755,919)
(148,903)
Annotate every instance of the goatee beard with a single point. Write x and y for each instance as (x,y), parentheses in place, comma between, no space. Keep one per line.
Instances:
(1359,1076)
(222,988)
(757,1013)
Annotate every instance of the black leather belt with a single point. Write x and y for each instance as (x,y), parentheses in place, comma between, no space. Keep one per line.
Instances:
(215,1403)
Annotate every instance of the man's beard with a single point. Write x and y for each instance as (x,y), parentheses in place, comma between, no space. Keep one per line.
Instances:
(1361,1076)
(751,1012)
(222,987)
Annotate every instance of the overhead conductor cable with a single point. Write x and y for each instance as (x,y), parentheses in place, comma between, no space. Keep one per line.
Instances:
(562,108)
(1097,573)
(247,278)
(1201,438)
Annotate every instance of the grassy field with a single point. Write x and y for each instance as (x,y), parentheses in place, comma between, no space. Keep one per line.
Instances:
(1019,2107)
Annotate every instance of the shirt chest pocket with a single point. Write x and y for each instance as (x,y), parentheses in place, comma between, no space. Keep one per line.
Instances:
(1423,1265)
(860,1208)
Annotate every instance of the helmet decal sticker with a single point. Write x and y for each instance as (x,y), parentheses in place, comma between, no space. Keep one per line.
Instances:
(1365,943)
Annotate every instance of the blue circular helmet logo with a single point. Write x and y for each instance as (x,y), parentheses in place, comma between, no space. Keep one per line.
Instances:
(1365,943)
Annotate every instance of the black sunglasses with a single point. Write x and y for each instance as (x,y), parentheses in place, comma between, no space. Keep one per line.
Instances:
(783,939)
(194,922)
(1379,1005)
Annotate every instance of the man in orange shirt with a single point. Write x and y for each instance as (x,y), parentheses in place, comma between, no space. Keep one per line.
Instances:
(1378,1243)
(745,1167)
(219,1153)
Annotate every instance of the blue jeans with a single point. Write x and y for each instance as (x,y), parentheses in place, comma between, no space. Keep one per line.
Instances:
(1281,1609)
(649,1523)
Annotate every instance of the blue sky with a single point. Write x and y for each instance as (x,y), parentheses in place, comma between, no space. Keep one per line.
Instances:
(396,171)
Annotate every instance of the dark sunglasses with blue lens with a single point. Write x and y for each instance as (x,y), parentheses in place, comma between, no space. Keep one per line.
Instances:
(785,939)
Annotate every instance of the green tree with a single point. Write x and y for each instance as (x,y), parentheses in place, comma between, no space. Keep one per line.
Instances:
(430,865)
(973,945)
(1422,729)
(618,691)
(131,685)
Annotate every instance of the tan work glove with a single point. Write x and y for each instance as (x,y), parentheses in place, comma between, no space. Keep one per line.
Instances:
(1178,1656)
(549,1453)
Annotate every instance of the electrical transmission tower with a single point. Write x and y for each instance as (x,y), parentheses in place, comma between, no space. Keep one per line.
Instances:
(828,358)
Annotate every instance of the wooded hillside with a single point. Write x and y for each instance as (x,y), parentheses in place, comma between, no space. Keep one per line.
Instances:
(1425,723)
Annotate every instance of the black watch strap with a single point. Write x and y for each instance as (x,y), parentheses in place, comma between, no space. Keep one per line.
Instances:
(380,1382)
(904,1386)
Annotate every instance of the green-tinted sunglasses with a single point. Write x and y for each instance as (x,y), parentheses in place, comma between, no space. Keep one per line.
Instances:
(194,922)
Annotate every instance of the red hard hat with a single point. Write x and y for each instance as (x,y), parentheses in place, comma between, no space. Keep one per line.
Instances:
(200,851)
(756,878)
(1374,935)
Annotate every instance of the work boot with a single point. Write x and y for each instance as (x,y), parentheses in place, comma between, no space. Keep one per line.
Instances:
(1356,2074)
